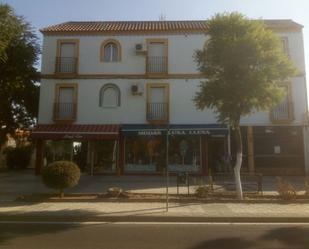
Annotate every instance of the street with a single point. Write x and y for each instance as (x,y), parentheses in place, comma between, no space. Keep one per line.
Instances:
(153,235)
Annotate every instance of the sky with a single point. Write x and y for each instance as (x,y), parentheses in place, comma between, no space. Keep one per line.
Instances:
(41,13)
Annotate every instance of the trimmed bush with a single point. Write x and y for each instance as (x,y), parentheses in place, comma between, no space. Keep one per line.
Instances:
(285,189)
(18,157)
(60,175)
(202,191)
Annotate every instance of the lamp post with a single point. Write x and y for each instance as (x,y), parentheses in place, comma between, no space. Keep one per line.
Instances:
(167,172)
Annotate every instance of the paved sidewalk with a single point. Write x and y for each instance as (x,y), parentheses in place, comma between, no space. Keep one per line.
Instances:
(227,212)
(14,184)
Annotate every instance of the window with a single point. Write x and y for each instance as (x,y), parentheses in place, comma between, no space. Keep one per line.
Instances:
(110,51)
(285,45)
(157,102)
(65,102)
(67,56)
(283,112)
(157,56)
(110,96)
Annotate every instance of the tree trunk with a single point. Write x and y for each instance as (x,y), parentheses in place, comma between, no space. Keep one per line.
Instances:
(238,162)
(61,193)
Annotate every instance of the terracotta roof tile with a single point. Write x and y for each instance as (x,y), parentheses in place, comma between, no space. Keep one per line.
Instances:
(199,26)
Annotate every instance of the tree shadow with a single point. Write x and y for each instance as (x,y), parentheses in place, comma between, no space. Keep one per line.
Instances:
(298,237)
(225,243)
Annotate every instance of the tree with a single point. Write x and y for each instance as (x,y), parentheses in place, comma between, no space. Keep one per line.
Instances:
(244,63)
(19,91)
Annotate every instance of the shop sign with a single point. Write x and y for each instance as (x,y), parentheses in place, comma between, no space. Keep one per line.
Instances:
(189,132)
(172,132)
(76,136)
(149,133)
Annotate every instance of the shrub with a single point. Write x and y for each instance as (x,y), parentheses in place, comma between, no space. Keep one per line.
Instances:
(285,190)
(18,157)
(60,175)
(202,191)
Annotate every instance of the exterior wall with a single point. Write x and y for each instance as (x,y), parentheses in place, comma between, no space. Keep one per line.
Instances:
(133,108)
(180,53)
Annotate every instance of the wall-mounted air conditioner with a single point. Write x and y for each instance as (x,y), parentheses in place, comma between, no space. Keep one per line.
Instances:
(140,48)
(136,89)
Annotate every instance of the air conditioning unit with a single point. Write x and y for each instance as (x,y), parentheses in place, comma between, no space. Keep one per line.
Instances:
(140,48)
(136,89)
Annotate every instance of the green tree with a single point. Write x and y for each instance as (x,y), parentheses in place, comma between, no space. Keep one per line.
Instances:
(19,91)
(244,63)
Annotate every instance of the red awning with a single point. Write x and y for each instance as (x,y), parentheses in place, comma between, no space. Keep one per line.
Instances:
(75,131)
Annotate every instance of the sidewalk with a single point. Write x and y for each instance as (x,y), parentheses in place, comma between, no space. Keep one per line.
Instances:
(14,184)
(155,212)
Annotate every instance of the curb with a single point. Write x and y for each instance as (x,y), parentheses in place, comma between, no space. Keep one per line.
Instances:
(134,218)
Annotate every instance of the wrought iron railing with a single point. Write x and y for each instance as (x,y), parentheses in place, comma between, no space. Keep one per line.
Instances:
(66,65)
(64,111)
(282,112)
(156,65)
(157,111)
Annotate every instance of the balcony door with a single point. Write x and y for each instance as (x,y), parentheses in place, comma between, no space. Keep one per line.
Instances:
(66,61)
(157,57)
(65,106)
(157,102)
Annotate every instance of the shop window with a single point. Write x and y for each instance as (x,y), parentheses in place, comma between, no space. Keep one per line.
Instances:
(105,156)
(184,153)
(145,154)
(148,154)
(110,96)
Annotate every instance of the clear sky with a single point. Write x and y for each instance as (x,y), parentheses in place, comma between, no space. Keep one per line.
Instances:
(41,13)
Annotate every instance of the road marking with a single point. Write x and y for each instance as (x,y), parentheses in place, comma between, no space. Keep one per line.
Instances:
(156,223)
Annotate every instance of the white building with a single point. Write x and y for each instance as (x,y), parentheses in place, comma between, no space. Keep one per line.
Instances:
(117,86)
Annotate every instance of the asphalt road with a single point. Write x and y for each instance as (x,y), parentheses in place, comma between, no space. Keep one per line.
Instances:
(156,236)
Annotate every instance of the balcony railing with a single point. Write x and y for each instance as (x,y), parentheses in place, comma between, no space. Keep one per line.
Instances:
(157,111)
(282,112)
(64,111)
(66,65)
(156,65)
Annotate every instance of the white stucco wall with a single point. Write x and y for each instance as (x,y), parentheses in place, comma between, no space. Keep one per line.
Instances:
(133,108)
(180,54)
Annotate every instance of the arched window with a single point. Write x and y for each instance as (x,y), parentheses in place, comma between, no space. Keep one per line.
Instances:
(109,96)
(110,51)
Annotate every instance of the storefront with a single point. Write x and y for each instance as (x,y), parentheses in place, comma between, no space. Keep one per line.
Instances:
(93,147)
(146,148)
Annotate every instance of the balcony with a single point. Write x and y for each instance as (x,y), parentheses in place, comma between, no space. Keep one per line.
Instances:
(65,111)
(282,113)
(157,112)
(156,65)
(66,65)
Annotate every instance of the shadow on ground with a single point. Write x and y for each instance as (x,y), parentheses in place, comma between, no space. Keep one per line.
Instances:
(12,230)
(285,237)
